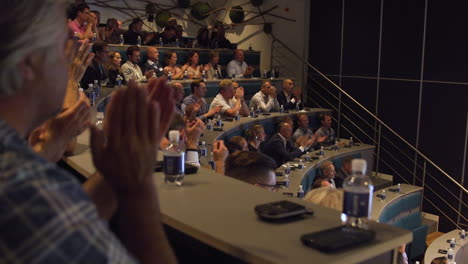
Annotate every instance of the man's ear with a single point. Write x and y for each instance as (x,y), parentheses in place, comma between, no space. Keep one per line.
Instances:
(27,68)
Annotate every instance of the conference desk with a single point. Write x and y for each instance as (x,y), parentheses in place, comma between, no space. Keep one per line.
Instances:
(460,252)
(379,205)
(219,211)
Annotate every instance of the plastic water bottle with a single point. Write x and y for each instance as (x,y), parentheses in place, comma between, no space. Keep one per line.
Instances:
(250,47)
(211,162)
(398,188)
(139,41)
(252,112)
(259,110)
(452,243)
(281,109)
(383,195)
(203,153)
(119,80)
(209,125)
(216,76)
(322,152)
(177,44)
(300,192)
(298,107)
(169,76)
(91,95)
(450,254)
(337,146)
(358,188)
(185,75)
(265,74)
(161,43)
(97,89)
(100,120)
(218,121)
(272,74)
(75,36)
(463,234)
(174,160)
(307,157)
(203,75)
(300,165)
(94,37)
(122,41)
(287,170)
(351,142)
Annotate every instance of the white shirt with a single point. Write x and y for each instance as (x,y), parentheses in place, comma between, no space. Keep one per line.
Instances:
(219,100)
(236,67)
(132,72)
(266,102)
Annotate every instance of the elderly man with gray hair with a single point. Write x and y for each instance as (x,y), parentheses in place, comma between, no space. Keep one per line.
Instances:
(46,215)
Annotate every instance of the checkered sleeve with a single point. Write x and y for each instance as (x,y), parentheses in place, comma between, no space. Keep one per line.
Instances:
(45,217)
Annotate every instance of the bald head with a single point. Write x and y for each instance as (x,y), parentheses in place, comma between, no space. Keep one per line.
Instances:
(153,54)
(288,86)
(239,55)
(285,129)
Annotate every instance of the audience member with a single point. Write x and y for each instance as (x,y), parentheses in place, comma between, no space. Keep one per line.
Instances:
(232,104)
(218,37)
(168,37)
(220,154)
(133,32)
(96,70)
(172,22)
(55,214)
(192,67)
(440,260)
(204,112)
(265,98)
(82,24)
(212,68)
(171,68)
(303,131)
(238,67)
(326,177)
(113,68)
(280,148)
(240,141)
(182,42)
(98,18)
(326,196)
(131,70)
(111,32)
(178,97)
(203,38)
(252,167)
(152,63)
(255,136)
(326,131)
(344,171)
(289,97)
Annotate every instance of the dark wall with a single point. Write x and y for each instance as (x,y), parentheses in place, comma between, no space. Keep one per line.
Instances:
(386,56)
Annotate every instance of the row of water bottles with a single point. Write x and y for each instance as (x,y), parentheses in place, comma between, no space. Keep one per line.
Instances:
(161,42)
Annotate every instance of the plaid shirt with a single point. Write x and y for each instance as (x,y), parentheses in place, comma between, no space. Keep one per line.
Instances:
(191,99)
(45,216)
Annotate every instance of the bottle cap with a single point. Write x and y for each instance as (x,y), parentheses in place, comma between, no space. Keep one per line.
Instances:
(174,135)
(96,81)
(100,115)
(203,143)
(359,165)
(90,85)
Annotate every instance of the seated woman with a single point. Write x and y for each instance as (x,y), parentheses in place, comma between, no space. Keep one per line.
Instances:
(192,67)
(326,196)
(213,66)
(113,68)
(237,143)
(325,179)
(171,60)
(255,136)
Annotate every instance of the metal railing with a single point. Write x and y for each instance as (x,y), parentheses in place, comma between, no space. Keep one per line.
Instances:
(393,154)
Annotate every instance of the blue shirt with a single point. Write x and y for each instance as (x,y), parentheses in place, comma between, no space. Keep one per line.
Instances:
(45,216)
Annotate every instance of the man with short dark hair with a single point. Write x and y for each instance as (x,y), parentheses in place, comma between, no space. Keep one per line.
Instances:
(82,24)
(95,70)
(133,32)
(280,148)
(178,96)
(238,67)
(152,63)
(252,167)
(344,171)
(131,70)
(326,131)
(204,112)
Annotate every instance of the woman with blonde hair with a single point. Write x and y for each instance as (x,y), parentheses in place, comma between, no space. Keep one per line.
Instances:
(326,196)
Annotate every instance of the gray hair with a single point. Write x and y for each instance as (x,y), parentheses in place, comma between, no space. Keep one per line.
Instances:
(27,26)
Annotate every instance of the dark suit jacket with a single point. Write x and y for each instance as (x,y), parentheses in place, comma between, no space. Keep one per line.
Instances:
(145,67)
(93,72)
(339,178)
(283,101)
(276,150)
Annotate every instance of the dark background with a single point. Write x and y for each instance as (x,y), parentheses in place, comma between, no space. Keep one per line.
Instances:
(344,45)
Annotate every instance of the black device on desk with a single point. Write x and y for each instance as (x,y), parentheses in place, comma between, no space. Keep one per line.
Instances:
(280,210)
(189,168)
(228,119)
(338,238)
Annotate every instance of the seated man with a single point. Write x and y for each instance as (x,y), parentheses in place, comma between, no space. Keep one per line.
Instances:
(302,127)
(232,104)
(289,97)
(326,130)
(238,67)
(197,97)
(45,213)
(82,26)
(152,63)
(178,97)
(265,98)
(131,70)
(95,70)
(326,178)
(252,167)
(280,148)
(134,31)
(344,171)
